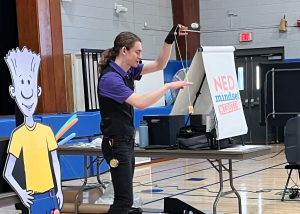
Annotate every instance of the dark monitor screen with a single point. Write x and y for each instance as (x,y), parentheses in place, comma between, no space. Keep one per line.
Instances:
(284,97)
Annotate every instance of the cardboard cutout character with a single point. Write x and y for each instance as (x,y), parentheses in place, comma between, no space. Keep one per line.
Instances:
(43,193)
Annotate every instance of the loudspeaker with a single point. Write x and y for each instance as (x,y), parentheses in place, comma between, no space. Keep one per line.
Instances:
(176,206)
(162,129)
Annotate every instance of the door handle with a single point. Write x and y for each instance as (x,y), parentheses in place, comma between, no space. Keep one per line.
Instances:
(246,103)
(253,103)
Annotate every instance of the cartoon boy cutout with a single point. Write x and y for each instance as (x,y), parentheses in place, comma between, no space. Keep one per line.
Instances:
(35,140)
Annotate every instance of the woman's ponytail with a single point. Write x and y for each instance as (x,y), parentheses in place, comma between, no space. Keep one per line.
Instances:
(106,56)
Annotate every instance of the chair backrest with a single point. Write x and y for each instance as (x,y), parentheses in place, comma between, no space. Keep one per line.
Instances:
(90,59)
(292,140)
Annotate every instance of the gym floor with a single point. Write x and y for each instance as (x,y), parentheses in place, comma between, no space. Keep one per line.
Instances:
(260,182)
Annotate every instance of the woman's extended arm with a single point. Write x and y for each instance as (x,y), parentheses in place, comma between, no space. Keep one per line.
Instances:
(144,101)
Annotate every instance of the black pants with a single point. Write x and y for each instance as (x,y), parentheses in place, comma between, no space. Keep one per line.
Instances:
(122,149)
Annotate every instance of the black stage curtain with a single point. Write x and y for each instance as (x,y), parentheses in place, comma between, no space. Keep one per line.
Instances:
(9,35)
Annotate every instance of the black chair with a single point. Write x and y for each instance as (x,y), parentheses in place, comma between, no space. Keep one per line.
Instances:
(292,151)
(90,59)
(290,167)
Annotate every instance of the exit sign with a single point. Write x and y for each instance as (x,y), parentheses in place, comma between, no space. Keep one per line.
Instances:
(245,36)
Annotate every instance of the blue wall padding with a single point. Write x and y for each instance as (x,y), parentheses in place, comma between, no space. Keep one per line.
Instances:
(69,170)
(90,122)
(7,125)
(292,60)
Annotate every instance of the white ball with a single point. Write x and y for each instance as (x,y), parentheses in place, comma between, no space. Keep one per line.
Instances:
(194,25)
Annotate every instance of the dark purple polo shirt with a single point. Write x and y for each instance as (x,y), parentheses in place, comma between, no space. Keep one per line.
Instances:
(112,85)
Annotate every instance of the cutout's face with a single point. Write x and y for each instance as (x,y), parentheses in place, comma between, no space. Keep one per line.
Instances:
(24,68)
(26,91)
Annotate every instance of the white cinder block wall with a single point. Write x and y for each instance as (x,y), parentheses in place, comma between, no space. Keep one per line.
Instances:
(94,23)
(261,17)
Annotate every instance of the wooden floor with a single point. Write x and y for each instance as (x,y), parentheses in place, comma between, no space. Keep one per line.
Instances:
(260,182)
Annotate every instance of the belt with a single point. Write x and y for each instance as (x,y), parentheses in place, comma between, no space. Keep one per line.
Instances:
(37,195)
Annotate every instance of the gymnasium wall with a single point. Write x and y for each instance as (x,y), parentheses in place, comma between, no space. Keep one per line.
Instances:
(94,23)
(222,21)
